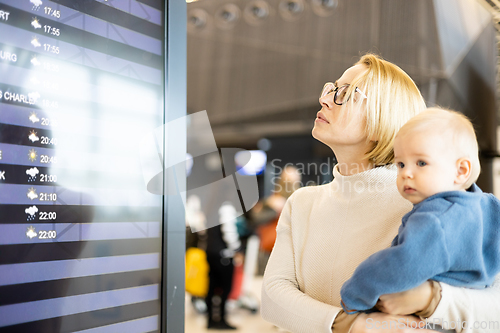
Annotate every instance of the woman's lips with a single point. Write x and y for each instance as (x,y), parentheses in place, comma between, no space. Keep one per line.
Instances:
(321,118)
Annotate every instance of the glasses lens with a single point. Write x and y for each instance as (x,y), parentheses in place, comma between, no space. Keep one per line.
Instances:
(327,89)
(341,95)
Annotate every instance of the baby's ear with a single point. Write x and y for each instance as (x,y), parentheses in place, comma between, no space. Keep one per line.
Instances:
(464,168)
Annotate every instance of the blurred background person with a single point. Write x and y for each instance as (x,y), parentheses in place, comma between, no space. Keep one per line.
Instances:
(223,246)
(264,216)
(196,257)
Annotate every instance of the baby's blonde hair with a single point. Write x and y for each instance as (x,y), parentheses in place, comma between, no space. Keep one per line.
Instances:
(452,126)
(393,98)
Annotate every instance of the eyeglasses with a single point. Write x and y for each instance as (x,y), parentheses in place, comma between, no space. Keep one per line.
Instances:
(340,97)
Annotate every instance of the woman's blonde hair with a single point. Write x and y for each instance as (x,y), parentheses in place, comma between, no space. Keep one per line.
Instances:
(393,98)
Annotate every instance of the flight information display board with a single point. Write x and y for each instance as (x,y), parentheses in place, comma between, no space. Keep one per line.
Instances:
(81,83)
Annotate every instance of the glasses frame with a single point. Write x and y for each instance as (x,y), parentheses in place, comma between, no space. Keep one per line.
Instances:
(336,92)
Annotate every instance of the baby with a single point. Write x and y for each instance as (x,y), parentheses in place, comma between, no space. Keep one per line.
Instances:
(452,234)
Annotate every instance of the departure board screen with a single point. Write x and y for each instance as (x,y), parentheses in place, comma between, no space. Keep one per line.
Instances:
(81,83)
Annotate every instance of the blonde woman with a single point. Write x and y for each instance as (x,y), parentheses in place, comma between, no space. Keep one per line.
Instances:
(325,232)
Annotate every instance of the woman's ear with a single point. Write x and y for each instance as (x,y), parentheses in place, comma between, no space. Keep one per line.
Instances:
(464,169)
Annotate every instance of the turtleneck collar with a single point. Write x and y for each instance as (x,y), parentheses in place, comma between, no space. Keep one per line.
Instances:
(373,180)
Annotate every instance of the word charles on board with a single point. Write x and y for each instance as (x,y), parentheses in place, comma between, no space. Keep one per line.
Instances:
(19,98)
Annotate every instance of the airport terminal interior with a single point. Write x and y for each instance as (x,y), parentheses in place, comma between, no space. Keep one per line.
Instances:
(148,147)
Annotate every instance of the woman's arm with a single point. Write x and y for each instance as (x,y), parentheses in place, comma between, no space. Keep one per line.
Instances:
(455,305)
(283,303)
(476,307)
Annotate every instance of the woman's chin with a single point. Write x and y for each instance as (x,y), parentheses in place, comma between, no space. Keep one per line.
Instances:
(316,133)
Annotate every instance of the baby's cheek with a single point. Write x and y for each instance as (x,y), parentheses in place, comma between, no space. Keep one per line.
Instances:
(399,181)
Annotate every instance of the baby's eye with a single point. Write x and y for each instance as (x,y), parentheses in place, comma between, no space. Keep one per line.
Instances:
(401,165)
(421,163)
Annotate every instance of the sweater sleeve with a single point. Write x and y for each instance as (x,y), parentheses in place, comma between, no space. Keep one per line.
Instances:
(479,308)
(420,255)
(283,303)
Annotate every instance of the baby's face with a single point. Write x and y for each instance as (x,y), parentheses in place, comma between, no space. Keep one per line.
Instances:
(426,165)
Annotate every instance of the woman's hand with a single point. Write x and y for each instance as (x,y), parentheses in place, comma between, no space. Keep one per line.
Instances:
(386,323)
(406,302)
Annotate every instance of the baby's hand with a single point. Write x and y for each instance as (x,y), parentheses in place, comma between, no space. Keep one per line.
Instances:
(406,302)
(386,323)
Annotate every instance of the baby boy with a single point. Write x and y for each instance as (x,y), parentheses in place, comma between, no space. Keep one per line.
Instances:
(452,234)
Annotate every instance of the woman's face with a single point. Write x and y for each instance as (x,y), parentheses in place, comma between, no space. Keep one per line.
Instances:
(340,126)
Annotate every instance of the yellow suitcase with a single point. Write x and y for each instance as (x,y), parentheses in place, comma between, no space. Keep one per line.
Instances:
(196,272)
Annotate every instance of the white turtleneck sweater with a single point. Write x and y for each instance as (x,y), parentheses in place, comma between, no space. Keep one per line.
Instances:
(325,232)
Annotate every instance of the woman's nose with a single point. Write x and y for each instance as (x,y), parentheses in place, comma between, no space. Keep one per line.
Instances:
(326,101)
